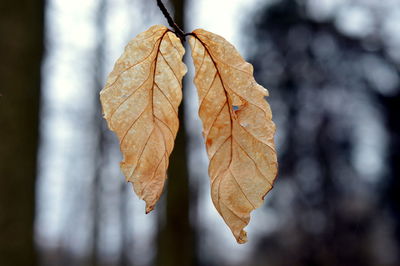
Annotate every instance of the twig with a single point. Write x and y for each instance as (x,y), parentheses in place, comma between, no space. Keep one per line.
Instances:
(178,31)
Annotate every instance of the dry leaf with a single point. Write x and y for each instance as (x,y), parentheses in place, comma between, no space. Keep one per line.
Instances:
(140,103)
(237,127)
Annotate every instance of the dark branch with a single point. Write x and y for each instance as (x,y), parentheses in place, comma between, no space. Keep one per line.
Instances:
(171,22)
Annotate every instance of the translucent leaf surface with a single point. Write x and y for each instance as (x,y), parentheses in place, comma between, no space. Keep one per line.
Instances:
(237,128)
(140,103)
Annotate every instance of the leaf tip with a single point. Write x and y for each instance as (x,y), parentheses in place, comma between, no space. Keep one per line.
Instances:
(242,238)
(149,209)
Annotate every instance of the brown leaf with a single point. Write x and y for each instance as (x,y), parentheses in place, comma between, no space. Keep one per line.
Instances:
(140,103)
(237,128)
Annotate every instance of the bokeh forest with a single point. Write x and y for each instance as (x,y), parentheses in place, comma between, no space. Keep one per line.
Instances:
(332,68)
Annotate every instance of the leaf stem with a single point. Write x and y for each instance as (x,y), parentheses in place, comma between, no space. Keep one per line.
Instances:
(178,31)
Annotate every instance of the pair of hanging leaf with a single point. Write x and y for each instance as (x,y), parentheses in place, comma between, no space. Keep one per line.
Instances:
(140,103)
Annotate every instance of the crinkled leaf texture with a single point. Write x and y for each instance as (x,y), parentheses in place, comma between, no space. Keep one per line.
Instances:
(237,128)
(140,103)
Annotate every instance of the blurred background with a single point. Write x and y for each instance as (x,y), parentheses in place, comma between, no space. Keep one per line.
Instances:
(332,69)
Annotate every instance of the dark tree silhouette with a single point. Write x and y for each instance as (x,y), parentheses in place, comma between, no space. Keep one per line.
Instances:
(391,193)
(176,238)
(21,47)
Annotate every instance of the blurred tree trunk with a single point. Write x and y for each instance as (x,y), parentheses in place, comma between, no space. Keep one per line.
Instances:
(176,236)
(99,161)
(391,196)
(21,46)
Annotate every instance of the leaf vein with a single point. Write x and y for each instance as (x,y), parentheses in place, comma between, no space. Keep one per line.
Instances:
(130,67)
(254,162)
(215,119)
(128,97)
(208,90)
(229,209)
(240,187)
(169,101)
(141,153)
(172,70)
